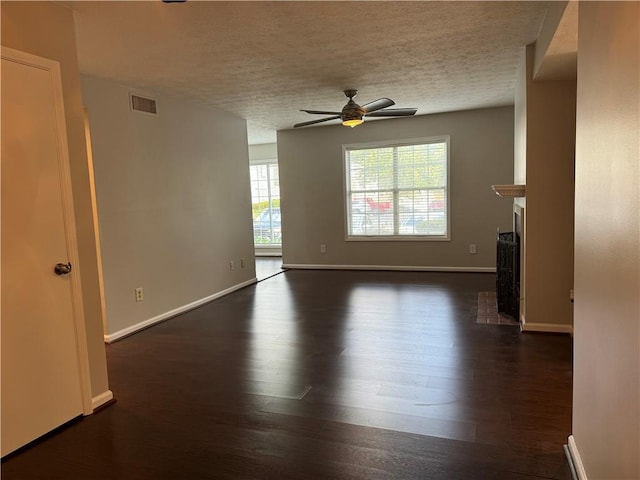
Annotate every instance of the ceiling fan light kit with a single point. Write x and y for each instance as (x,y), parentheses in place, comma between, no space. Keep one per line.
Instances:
(353,122)
(353,114)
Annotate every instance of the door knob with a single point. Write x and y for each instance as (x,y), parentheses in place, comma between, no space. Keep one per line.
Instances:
(62,268)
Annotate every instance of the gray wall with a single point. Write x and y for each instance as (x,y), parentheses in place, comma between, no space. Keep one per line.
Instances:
(312,189)
(606,388)
(173,203)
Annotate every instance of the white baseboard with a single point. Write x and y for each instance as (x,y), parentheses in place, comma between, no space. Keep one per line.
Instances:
(577,460)
(101,399)
(399,268)
(544,327)
(112,337)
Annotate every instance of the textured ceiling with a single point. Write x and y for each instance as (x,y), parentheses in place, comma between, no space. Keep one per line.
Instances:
(263,61)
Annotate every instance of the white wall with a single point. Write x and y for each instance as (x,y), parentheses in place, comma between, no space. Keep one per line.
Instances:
(606,398)
(312,189)
(173,203)
(263,151)
(520,128)
(544,159)
(547,32)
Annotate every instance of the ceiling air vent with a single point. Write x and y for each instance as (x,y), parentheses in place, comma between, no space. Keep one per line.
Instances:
(143,104)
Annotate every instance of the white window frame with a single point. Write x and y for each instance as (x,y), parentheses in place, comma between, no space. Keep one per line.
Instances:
(396,237)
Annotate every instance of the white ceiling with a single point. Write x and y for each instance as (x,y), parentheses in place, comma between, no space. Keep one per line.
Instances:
(263,61)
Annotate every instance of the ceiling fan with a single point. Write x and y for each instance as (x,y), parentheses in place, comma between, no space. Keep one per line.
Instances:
(353,114)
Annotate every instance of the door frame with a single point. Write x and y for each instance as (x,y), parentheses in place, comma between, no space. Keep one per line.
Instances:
(82,352)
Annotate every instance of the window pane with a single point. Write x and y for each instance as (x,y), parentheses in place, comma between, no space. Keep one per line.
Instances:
(422,212)
(380,211)
(436,163)
(371,169)
(274,181)
(359,218)
(412,169)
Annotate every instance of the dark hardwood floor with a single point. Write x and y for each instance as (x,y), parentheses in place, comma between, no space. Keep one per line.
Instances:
(326,375)
(267,267)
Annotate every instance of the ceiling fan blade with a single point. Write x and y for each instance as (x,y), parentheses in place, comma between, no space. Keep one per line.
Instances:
(394,112)
(378,105)
(320,112)
(304,124)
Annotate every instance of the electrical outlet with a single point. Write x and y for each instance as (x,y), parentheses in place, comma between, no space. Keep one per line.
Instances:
(242,263)
(232,265)
(139,294)
(323,248)
(472,248)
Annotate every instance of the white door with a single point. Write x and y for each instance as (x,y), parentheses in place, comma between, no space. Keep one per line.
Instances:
(44,365)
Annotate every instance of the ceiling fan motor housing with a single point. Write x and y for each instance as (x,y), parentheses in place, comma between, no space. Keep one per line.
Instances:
(352,111)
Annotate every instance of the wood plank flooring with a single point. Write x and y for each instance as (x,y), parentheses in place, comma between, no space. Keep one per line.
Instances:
(267,267)
(326,375)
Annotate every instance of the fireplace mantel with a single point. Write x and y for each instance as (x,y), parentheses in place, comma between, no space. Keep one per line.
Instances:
(509,191)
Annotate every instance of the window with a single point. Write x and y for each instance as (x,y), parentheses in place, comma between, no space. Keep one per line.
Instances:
(398,191)
(265,199)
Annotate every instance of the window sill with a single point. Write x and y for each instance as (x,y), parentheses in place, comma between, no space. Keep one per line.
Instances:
(398,238)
